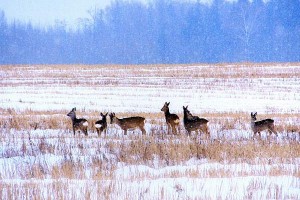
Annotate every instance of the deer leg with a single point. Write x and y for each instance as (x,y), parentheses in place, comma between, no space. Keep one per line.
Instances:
(201,130)
(85,131)
(101,130)
(174,129)
(270,132)
(125,131)
(98,132)
(143,130)
(272,129)
(206,130)
(255,134)
(104,130)
(189,132)
(74,130)
(169,128)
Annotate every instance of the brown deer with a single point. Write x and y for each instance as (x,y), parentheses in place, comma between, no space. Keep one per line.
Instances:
(101,125)
(258,126)
(128,123)
(171,119)
(78,124)
(194,123)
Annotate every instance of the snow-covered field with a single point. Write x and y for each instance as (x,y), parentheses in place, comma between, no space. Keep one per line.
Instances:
(41,159)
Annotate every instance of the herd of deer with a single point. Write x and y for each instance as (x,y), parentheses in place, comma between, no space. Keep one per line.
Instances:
(191,122)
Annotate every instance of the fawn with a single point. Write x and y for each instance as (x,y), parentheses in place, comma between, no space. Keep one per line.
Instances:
(171,119)
(78,124)
(128,123)
(101,125)
(258,126)
(194,123)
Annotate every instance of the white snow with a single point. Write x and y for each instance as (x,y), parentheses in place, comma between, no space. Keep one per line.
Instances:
(132,93)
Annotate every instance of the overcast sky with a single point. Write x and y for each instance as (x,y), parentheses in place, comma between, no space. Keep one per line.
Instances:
(45,12)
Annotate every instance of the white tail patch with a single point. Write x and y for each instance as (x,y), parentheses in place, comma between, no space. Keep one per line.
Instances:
(177,121)
(98,125)
(85,124)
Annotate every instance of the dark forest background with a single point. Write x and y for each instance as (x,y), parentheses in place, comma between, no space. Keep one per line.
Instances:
(162,32)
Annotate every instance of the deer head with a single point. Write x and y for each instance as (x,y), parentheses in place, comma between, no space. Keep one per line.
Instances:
(112,117)
(185,109)
(72,113)
(165,108)
(253,115)
(104,115)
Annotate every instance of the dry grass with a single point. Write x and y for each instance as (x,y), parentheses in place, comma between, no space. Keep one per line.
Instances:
(136,150)
(95,171)
(32,120)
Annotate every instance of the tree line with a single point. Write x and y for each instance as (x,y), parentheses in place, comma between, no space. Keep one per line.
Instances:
(163,31)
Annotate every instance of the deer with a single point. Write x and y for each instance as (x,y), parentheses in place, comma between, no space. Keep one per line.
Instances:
(194,123)
(101,125)
(128,123)
(258,126)
(171,119)
(78,124)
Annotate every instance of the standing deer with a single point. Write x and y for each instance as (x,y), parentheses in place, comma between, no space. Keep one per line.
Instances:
(258,126)
(171,119)
(194,123)
(128,123)
(78,124)
(101,125)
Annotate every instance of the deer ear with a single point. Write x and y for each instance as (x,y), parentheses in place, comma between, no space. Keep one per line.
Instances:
(255,113)
(101,114)
(186,106)
(106,114)
(168,103)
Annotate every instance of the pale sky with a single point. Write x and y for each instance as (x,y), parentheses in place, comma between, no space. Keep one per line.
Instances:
(46,12)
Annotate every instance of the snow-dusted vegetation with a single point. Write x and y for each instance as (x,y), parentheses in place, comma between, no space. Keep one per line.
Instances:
(41,159)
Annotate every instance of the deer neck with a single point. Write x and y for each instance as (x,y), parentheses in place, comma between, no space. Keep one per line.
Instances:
(252,123)
(118,121)
(185,115)
(73,117)
(167,112)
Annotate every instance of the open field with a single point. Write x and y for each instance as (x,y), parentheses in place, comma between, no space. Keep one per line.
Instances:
(41,159)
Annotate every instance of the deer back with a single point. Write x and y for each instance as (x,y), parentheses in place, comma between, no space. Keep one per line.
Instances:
(79,123)
(172,119)
(261,125)
(131,122)
(192,122)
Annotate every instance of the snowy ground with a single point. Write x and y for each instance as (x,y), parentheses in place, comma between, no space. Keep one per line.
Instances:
(264,89)
(50,163)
